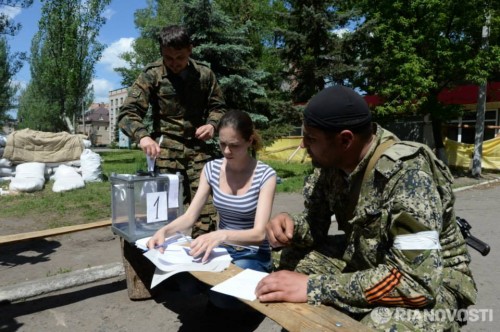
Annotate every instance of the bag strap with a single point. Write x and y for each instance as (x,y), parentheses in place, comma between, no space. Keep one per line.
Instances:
(353,202)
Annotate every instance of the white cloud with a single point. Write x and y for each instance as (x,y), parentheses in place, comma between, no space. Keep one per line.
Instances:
(101,90)
(11,12)
(111,55)
(108,13)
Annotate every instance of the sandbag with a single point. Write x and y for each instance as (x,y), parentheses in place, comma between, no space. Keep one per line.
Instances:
(7,171)
(29,177)
(90,166)
(28,145)
(67,178)
(5,162)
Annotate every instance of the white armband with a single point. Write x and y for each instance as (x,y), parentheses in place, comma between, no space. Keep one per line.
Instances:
(417,241)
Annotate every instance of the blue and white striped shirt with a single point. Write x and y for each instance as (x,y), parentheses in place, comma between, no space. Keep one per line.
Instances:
(237,212)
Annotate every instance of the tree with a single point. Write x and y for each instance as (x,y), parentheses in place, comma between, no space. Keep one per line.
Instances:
(223,46)
(7,26)
(263,20)
(411,50)
(9,66)
(149,21)
(311,46)
(63,56)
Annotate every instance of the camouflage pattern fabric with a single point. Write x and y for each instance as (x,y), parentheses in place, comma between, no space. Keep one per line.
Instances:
(179,105)
(407,192)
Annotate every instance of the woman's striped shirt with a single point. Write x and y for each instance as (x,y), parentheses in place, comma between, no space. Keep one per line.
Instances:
(237,212)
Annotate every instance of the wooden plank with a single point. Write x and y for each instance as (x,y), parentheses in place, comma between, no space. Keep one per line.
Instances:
(294,317)
(5,239)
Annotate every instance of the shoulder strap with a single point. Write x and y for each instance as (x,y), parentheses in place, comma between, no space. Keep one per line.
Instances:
(371,164)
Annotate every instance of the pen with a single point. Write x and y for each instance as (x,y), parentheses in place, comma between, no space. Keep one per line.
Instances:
(171,240)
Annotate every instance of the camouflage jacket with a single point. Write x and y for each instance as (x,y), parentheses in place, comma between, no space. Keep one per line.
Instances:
(401,197)
(179,105)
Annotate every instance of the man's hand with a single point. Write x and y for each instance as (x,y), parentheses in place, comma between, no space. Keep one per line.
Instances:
(149,146)
(283,286)
(280,230)
(205,132)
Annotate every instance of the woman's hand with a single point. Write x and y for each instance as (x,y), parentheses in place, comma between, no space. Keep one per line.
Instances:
(157,240)
(204,244)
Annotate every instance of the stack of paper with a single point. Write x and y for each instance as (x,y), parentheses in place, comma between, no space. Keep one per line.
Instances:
(176,259)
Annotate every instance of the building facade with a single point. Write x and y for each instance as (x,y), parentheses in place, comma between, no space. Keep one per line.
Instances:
(116,99)
(95,124)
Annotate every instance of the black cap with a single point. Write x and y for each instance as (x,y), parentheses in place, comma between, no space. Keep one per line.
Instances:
(337,108)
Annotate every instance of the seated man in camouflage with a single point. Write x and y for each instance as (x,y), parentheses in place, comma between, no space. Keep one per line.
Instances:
(403,256)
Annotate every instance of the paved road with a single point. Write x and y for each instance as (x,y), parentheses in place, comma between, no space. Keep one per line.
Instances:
(104,306)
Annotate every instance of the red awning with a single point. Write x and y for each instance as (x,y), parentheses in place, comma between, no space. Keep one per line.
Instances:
(467,94)
(463,94)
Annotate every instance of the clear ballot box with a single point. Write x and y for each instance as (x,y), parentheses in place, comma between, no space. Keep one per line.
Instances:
(142,204)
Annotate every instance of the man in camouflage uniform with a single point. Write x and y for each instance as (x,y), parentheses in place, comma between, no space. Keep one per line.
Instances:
(187,104)
(402,255)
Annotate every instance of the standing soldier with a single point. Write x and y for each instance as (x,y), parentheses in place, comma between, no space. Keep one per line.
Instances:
(187,104)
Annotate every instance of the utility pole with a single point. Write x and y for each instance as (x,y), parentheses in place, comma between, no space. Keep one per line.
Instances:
(481,109)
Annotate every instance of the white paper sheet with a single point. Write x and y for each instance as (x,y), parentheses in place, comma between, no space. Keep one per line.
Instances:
(173,191)
(176,258)
(241,285)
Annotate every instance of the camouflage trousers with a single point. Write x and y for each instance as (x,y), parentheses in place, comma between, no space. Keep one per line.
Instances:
(188,160)
(440,318)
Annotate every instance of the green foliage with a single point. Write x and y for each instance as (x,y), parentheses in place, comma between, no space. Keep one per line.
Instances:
(63,54)
(9,66)
(410,51)
(311,47)
(7,26)
(34,111)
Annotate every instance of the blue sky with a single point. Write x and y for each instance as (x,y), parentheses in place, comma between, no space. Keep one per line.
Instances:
(118,34)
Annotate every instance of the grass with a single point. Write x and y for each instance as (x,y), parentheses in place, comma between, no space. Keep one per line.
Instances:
(292,175)
(48,209)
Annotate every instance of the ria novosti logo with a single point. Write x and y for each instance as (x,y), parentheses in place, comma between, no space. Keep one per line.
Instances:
(383,315)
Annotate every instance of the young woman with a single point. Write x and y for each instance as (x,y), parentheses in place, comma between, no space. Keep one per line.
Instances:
(243,193)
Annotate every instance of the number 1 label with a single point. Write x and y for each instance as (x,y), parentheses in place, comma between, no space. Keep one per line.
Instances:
(157,209)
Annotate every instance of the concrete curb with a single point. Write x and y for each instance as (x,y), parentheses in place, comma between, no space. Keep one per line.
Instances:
(476,185)
(32,288)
